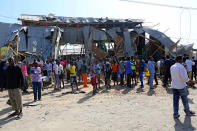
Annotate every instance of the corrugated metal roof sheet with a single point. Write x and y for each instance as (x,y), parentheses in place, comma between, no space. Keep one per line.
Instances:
(165,40)
(75,19)
(8,32)
(184,49)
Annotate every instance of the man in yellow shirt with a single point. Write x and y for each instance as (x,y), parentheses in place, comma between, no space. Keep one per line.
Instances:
(72,69)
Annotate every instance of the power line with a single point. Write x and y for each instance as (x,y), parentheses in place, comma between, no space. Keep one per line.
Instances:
(170,6)
(184,38)
(163,5)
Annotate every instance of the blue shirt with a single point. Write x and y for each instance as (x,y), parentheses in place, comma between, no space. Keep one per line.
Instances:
(98,69)
(142,65)
(151,67)
(104,67)
(128,67)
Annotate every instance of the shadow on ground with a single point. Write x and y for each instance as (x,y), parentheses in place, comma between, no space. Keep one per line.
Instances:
(87,97)
(6,120)
(185,126)
(139,90)
(151,92)
(5,111)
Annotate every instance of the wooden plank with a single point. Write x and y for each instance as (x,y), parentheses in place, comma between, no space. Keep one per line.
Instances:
(194,50)
(173,47)
(153,42)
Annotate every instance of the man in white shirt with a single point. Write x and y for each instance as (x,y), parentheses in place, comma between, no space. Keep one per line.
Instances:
(179,78)
(189,64)
(58,75)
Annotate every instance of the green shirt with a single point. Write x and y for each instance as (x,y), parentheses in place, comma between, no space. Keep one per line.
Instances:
(133,65)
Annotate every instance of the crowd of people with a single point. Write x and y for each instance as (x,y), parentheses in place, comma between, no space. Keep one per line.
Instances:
(16,75)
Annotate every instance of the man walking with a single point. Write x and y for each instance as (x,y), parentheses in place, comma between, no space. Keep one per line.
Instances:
(13,81)
(179,78)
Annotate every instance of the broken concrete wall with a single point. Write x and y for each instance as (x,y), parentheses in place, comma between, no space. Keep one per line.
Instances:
(128,42)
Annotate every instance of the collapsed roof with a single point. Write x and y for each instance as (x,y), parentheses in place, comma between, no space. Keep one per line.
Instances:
(77,21)
(8,32)
(161,37)
(184,49)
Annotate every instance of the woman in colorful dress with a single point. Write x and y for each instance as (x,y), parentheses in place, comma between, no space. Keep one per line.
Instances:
(94,79)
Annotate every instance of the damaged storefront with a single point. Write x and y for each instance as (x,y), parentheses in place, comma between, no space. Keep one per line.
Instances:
(98,37)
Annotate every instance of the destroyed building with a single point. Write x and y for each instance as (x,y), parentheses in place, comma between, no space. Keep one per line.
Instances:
(98,37)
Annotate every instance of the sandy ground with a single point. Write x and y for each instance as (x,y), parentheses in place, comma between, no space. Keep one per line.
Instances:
(117,109)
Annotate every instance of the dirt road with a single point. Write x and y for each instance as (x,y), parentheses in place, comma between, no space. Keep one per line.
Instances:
(118,109)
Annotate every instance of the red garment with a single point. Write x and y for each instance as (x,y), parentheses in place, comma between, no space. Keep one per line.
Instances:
(62,63)
(24,68)
(65,63)
(114,68)
(137,64)
(39,64)
(93,81)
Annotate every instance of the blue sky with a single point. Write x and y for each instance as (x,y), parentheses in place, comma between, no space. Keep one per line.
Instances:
(169,19)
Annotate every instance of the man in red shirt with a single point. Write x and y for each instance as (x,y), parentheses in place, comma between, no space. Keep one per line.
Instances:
(114,72)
